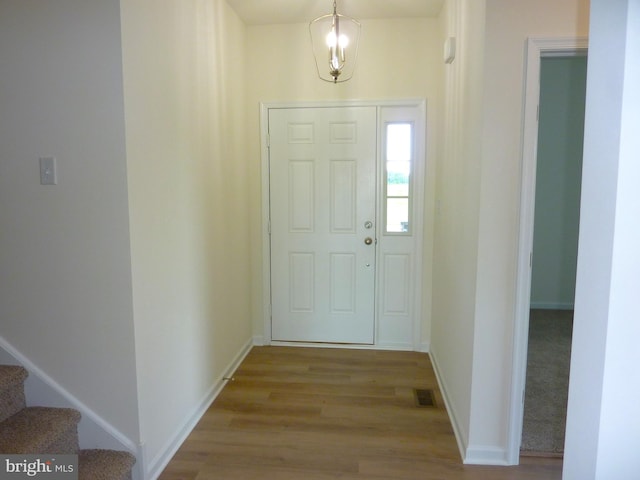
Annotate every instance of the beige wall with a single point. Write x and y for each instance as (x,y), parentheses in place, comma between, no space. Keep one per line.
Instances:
(65,287)
(134,275)
(397,59)
(456,221)
(130,278)
(155,224)
(478,194)
(508,25)
(188,191)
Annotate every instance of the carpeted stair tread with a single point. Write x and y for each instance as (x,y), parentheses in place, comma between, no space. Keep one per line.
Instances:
(11,390)
(40,430)
(12,375)
(105,465)
(25,430)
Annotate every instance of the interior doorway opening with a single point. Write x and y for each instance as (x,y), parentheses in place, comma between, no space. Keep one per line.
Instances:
(537,49)
(555,253)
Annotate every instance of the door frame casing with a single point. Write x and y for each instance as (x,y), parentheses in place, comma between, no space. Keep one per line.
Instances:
(537,48)
(418,219)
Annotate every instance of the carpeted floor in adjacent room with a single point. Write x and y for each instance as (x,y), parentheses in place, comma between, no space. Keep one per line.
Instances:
(545,406)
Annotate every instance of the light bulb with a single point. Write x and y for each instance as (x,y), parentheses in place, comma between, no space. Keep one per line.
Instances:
(331,38)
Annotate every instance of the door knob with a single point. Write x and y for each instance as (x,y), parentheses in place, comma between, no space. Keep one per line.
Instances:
(368,241)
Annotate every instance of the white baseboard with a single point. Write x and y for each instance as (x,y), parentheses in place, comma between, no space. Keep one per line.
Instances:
(41,389)
(395,346)
(470,454)
(258,340)
(155,467)
(483,455)
(458,432)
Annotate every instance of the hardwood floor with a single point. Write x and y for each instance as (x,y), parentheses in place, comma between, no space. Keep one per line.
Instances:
(320,413)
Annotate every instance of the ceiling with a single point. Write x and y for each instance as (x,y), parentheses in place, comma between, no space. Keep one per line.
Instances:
(263,12)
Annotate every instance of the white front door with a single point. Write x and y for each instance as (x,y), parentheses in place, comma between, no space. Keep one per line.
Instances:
(322,166)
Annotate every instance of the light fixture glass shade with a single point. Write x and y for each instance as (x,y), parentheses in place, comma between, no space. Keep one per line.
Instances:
(334,39)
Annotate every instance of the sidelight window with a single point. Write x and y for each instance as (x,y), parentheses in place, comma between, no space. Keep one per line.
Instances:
(398,153)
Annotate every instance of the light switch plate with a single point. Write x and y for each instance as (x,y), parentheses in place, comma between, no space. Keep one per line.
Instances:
(48,174)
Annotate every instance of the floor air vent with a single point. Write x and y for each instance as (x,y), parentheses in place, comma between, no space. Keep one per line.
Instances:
(424,397)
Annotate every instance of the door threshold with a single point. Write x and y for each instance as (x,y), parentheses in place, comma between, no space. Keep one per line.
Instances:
(280,343)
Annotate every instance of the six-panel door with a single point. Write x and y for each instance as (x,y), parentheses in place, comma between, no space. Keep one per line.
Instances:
(323,224)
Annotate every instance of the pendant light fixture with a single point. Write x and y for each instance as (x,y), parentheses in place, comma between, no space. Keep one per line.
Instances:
(334,38)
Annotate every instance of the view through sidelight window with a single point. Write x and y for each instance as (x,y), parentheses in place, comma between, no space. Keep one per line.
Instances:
(398,161)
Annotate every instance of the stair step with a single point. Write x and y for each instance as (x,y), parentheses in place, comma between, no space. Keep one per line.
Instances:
(11,390)
(40,430)
(105,465)
(25,430)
